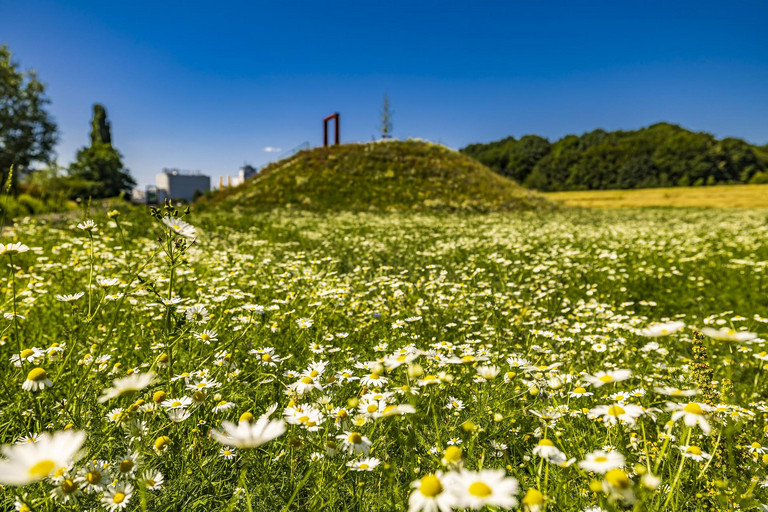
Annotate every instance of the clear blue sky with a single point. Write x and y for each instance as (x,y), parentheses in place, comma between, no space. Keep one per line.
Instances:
(208,85)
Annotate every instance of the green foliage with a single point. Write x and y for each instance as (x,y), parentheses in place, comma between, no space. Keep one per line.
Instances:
(101,131)
(100,164)
(27,131)
(660,155)
(380,176)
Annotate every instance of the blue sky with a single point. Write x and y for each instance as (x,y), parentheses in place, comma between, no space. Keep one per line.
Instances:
(207,86)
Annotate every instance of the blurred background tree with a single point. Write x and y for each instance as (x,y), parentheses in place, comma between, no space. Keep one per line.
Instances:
(100,164)
(27,131)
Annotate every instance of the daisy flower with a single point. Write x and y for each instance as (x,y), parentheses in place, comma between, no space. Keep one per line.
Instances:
(454,404)
(207,336)
(602,378)
(248,434)
(366,464)
(30,462)
(579,391)
(228,453)
(87,225)
(672,391)
(600,461)
(430,495)
(694,452)
(546,449)
(95,476)
(613,414)
(117,496)
(13,248)
(180,227)
(726,334)
(28,355)
(693,413)
(223,406)
(129,384)
(661,329)
(354,443)
(37,379)
(177,403)
(66,490)
(487,372)
(476,490)
(152,481)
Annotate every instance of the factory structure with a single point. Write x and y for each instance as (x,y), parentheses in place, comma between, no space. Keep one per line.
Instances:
(174,184)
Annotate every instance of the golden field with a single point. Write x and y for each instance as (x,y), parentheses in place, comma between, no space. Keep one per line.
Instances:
(720,196)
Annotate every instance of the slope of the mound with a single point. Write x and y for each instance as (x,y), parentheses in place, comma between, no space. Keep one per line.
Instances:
(380,176)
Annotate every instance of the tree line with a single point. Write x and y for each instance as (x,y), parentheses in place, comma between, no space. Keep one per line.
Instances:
(661,155)
(28,135)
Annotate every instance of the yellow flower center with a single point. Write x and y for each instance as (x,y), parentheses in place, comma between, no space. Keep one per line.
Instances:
(615,410)
(480,489)
(307,380)
(694,450)
(372,408)
(93,477)
(430,486)
(68,486)
(580,390)
(606,378)
(601,458)
(205,336)
(266,358)
(546,442)
(533,498)
(37,374)
(119,497)
(364,466)
(162,442)
(341,414)
(452,454)
(693,408)
(26,353)
(314,373)
(355,438)
(303,419)
(42,468)
(756,445)
(126,465)
(618,479)
(176,404)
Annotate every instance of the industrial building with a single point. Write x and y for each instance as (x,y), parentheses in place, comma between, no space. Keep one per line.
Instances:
(176,184)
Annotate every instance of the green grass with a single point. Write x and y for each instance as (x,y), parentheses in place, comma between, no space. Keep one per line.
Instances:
(566,291)
(380,176)
(720,196)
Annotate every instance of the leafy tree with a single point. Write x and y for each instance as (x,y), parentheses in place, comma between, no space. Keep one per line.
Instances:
(27,131)
(661,155)
(100,163)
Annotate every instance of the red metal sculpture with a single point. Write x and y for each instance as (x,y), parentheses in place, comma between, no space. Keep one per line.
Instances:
(335,117)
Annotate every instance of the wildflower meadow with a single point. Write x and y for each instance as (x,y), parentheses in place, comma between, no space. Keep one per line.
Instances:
(570,360)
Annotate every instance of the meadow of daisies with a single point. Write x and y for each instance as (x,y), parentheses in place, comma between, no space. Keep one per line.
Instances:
(586,361)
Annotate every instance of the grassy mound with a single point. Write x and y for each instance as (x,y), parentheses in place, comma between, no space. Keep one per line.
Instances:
(379,176)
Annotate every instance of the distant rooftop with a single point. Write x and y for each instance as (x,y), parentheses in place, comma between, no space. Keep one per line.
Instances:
(179,172)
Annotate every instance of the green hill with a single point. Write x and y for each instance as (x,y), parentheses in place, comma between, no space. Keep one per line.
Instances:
(661,155)
(379,176)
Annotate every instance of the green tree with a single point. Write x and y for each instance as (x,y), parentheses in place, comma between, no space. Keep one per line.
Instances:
(100,163)
(27,131)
